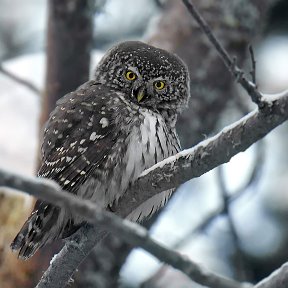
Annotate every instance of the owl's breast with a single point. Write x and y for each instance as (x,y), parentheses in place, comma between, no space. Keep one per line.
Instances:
(142,140)
(148,142)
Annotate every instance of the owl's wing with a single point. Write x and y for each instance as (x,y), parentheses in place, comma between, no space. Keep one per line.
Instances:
(79,135)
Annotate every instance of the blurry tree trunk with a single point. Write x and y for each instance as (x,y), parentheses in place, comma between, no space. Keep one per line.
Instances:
(69,42)
(235,23)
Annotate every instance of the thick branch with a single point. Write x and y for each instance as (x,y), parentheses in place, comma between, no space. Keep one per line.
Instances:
(78,246)
(208,154)
(128,231)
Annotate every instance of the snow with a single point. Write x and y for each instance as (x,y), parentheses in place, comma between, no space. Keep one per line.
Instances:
(53,259)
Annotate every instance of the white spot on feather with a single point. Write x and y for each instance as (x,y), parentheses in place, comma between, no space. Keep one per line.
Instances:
(82,149)
(104,122)
(93,136)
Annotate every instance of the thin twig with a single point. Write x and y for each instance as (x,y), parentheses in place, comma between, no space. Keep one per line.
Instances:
(20,81)
(254,177)
(200,227)
(240,263)
(130,232)
(231,65)
(253,62)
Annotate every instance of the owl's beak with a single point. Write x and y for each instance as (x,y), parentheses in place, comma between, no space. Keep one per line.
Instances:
(140,93)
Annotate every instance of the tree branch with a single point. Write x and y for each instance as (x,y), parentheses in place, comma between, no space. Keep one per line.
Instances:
(132,233)
(189,164)
(205,156)
(20,81)
(79,245)
(253,62)
(236,72)
(167,174)
(241,271)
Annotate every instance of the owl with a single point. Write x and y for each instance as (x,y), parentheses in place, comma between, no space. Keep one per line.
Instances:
(101,137)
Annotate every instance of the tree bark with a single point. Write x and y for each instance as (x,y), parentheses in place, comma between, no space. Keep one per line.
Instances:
(69,42)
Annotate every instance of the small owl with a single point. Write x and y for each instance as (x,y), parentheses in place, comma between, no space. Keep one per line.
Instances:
(101,137)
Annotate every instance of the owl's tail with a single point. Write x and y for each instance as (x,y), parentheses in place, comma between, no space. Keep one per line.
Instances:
(39,229)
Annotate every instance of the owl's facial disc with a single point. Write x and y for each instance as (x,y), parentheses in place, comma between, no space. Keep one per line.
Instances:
(148,76)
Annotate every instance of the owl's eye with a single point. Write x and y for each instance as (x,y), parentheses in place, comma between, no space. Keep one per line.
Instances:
(130,75)
(159,85)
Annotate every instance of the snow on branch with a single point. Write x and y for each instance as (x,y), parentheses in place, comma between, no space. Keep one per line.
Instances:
(130,232)
(208,154)
(167,174)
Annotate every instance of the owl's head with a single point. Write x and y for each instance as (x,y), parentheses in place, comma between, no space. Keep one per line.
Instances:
(148,76)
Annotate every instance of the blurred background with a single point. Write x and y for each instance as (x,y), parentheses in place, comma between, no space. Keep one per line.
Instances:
(232,220)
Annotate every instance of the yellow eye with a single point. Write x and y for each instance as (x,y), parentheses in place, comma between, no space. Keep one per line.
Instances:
(159,85)
(130,75)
